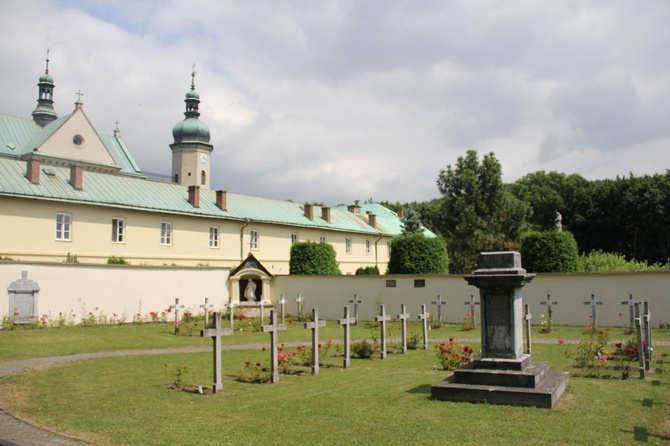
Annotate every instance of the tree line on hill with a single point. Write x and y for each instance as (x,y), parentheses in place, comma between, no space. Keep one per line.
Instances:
(620,223)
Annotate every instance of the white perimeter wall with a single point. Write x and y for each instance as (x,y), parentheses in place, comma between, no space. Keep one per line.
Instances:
(116,288)
(120,288)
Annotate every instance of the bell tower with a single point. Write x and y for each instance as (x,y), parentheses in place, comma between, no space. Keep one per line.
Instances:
(44,113)
(191,149)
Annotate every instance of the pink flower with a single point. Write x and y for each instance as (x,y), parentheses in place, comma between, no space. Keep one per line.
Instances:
(329,341)
(561,341)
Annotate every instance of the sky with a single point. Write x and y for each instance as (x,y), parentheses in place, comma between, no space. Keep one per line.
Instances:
(334,101)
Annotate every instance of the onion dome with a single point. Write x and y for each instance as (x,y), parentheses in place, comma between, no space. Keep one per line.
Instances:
(191,129)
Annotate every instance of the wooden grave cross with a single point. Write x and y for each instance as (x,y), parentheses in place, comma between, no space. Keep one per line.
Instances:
(272,329)
(314,326)
(424,318)
(299,301)
(355,301)
(282,307)
(640,346)
(472,303)
(403,316)
(206,307)
(216,333)
(176,307)
(631,310)
(383,317)
(527,317)
(549,303)
(593,304)
(439,302)
(346,324)
(231,305)
(647,336)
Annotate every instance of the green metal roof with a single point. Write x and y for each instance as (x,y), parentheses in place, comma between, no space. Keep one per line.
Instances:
(20,136)
(123,191)
(385,217)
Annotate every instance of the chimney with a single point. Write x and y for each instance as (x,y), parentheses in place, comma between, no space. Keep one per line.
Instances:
(356,207)
(325,213)
(309,211)
(372,219)
(33,171)
(77,176)
(222,199)
(401,213)
(194,195)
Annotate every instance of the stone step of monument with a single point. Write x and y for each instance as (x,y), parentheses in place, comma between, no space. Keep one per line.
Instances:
(530,377)
(545,395)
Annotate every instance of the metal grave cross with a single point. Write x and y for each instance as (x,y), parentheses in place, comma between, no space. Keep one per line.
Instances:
(403,316)
(631,310)
(176,307)
(314,325)
(206,307)
(272,329)
(346,324)
(439,302)
(593,304)
(299,301)
(647,336)
(216,333)
(472,304)
(549,304)
(282,307)
(355,301)
(424,318)
(383,317)
(527,317)
(231,305)
(640,345)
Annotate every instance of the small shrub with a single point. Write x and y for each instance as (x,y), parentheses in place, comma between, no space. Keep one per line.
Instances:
(256,372)
(176,375)
(413,340)
(114,260)
(549,252)
(592,353)
(363,349)
(368,270)
(468,322)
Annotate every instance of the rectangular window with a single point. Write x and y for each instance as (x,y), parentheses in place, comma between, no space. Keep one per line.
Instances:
(419,283)
(213,236)
(118,230)
(322,239)
(253,242)
(367,246)
(390,283)
(347,243)
(63,227)
(294,238)
(166,233)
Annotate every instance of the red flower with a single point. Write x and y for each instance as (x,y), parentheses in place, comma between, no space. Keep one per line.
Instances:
(620,314)
(263,349)
(561,341)
(258,364)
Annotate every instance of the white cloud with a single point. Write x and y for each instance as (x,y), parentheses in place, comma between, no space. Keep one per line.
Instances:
(343,100)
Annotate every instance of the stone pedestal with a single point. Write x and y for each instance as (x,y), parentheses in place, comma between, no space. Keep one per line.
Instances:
(503,374)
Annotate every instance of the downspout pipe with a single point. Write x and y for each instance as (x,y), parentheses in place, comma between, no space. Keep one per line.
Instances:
(242,239)
(376,254)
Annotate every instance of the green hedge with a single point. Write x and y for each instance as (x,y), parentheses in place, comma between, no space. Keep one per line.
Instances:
(368,270)
(313,258)
(418,254)
(549,252)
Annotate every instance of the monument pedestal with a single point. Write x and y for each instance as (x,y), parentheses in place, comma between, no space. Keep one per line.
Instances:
(503,374)
(481,381)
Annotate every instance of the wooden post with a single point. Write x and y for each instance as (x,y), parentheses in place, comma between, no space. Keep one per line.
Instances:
(640,348)
(424,316)
(647,336)
(382,318)
(231,305)
(346,324)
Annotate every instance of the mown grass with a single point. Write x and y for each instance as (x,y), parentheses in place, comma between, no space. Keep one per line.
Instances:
(21,344)
(125,401)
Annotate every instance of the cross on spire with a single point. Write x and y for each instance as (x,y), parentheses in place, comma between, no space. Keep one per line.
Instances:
(193,78)
(47,69)
(79,95)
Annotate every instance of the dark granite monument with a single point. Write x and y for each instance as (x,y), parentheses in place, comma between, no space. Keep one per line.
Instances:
(504,374)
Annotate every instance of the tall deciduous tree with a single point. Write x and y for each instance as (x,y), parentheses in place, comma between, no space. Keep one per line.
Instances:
(478,212)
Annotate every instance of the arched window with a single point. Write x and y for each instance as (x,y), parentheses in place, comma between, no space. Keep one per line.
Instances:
(203,177)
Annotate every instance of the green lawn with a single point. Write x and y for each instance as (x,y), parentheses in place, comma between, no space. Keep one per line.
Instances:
(21,344)
(125,400)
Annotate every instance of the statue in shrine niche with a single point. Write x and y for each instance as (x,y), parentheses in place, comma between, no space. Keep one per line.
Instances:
(250,291)
(558,221)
